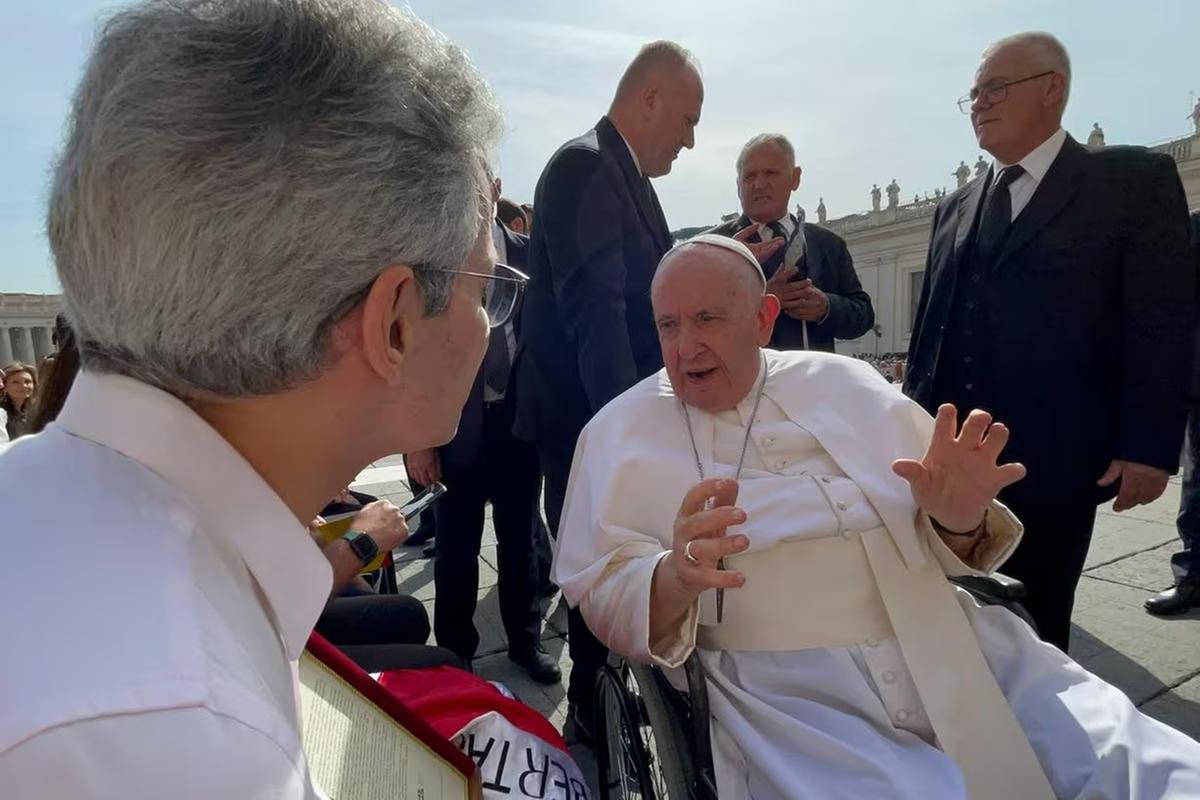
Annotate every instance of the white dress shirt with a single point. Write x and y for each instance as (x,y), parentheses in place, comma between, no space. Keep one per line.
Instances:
(787,222)
(637,164)
(1036,165)
(159,594)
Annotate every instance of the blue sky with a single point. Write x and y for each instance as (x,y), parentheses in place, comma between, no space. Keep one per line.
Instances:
(864,89)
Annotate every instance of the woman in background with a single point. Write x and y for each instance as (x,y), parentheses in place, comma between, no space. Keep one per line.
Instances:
(20,383)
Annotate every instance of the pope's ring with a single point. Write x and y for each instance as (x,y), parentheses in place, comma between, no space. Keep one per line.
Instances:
(687,553)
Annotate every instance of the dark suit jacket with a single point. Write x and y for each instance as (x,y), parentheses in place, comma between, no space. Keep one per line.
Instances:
(464,447)
(831,269)
(588,332)
(1196,350)
(1091,314)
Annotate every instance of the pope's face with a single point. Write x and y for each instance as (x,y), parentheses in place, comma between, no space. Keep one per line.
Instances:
(712,319)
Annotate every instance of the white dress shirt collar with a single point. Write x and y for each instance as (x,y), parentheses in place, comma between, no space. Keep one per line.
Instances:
(159,431)
(787,222)
(1037,163)
(637,164)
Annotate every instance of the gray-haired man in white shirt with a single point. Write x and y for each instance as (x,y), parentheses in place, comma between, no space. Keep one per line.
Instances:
(263,308)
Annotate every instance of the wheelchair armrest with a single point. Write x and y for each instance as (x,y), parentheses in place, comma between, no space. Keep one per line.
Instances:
(995,586)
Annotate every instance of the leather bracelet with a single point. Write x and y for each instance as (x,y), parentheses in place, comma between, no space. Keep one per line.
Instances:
(976,531)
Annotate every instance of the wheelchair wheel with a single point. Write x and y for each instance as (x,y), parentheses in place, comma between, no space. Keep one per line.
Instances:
(641,742)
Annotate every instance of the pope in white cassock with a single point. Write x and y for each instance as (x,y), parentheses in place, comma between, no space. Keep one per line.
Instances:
(840,661)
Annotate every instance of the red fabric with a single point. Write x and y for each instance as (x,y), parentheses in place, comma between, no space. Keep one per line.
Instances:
(449,698)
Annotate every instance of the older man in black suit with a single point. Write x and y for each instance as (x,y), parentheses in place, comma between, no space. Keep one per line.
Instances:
(588,332)
(1059,296)
(807,266)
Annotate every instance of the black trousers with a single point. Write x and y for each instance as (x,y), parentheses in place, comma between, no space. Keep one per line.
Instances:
(382,631)
(587,653)
(1186,562)
(542,550)
(1050,558)
(505,473)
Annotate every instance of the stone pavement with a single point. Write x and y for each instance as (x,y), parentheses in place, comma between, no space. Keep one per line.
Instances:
(1154,661)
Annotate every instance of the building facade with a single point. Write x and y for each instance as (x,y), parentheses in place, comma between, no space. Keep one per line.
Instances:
(889,246)
(27,326)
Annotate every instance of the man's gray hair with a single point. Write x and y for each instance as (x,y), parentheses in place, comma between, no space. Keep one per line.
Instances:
(650,59)
(1047,51)
(777,139)
(237,173)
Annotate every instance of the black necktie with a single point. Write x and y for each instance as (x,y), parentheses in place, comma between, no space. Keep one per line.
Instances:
(997,214)
(777,230)
(652,198)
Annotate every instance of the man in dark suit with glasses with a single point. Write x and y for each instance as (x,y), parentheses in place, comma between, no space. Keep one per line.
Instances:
(1059,296)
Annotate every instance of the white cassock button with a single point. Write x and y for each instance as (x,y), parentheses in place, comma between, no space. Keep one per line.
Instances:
(902,715)
(781,463)
(889,677)
(767,442)
(872,643)
(848,534)
(826,479)
(842,506)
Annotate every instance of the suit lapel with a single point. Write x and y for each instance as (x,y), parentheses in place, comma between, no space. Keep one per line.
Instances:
(740,224)
(517,248)
(638,186)
(1060,184)
(968,211)
(663,228)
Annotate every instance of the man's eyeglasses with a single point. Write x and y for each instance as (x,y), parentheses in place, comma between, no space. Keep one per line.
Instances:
(993,93)
(500,293)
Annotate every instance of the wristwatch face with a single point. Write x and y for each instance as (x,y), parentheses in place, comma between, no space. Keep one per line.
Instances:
(363,546)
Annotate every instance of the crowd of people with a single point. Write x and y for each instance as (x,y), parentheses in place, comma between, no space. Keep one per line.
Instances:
(259,305)
(890,365)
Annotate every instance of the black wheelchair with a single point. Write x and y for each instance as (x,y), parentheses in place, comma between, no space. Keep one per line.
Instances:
(653,741)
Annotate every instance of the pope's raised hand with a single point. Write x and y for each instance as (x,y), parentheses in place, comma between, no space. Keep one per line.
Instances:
(960,476)
(699,538)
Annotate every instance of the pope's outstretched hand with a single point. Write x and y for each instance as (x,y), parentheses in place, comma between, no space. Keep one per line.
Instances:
(960,475)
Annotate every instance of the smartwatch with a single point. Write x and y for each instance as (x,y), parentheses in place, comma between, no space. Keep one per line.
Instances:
(363,546)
